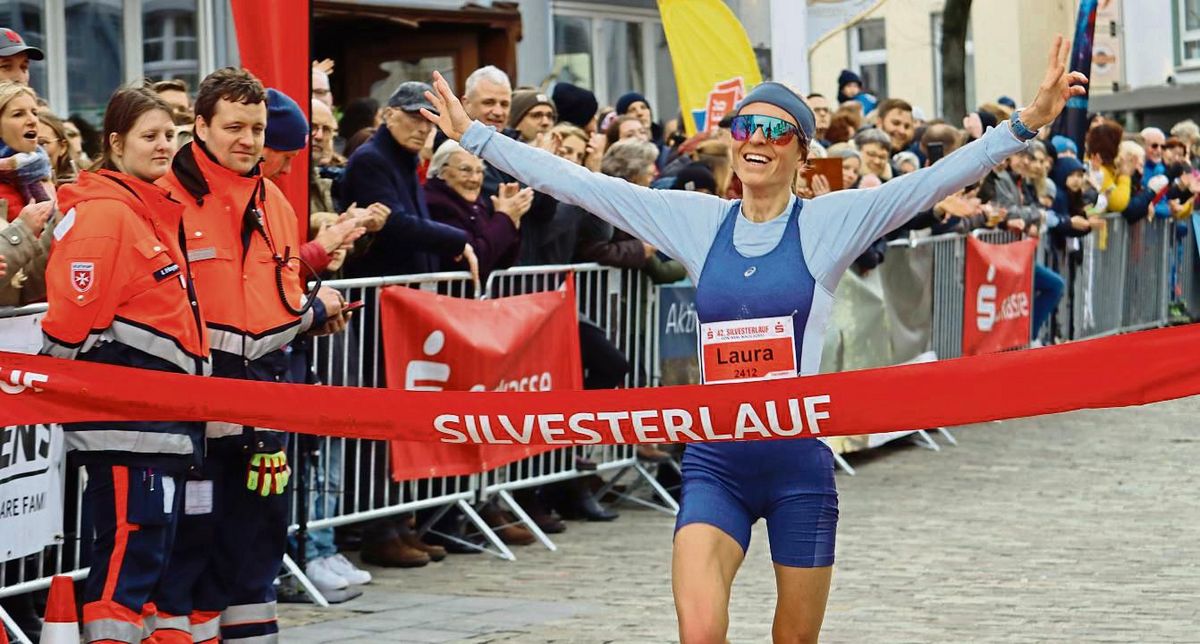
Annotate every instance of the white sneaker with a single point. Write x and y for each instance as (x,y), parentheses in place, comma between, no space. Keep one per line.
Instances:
(323,575)
(341,566)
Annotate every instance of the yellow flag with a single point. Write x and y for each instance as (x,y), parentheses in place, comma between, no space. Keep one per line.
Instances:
(714,62)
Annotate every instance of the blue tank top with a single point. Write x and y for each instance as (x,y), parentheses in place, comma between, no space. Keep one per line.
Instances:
(734,287)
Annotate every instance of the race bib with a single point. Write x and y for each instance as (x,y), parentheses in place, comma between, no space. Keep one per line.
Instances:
(745,350)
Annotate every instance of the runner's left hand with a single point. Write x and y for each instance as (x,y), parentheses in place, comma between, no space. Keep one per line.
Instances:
(1057,86)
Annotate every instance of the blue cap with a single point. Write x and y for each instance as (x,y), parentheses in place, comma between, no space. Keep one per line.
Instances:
(1062,143)
(780,96)
(1007,102)
(287,126)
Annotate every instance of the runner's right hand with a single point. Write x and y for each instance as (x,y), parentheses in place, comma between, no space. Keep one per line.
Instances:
(451,118)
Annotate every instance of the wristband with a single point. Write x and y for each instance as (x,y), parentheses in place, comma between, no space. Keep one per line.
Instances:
(1018,127)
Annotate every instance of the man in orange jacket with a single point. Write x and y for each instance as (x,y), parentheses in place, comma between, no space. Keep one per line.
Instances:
(243,245)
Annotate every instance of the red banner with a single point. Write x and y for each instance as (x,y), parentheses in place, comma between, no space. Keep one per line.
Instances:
(1123,370)
(437,343)
(999,296)
(273,44)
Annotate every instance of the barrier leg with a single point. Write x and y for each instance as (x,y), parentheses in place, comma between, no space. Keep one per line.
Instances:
(7,620)
(527,520)
(926,441)
(431,521)
(843,464)
(304,582)
(668,505)
(501,550)
(945,433)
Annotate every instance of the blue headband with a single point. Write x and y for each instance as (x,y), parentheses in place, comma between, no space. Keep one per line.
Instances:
(785,99)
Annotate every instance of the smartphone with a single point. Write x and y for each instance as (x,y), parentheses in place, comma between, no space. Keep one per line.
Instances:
(831,169)
(937,150)
(352,306)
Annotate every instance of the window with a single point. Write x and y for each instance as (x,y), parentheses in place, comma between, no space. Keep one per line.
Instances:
(968,65)
(626,68)
(170,48)
(612,50)
(28,18)
(95,55)
(868,55)
(667,97)
(400,71)
(573,50)
(1188,32)
(95,46)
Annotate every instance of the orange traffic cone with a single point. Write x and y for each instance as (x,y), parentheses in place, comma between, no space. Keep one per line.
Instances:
(61,623)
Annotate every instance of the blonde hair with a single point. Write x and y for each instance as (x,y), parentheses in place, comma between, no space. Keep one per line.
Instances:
(1132,148)
(9,90)
(566,129)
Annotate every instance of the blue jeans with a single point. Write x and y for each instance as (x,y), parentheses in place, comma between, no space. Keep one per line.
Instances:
(325,478)
(1048,289)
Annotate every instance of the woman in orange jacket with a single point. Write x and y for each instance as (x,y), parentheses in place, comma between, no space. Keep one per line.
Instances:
(120,292)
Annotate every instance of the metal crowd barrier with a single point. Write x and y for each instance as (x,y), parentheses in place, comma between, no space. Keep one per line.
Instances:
(1132,263)
(65,557)
(351,480)
(1186,264)
(622,303)
(949,264)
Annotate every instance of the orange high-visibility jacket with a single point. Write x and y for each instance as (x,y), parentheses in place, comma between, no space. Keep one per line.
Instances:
(119,292)
(238,284)
(239,229)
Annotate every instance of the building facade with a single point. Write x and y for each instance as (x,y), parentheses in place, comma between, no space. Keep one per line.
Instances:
(1155,76)
(895,45)
(93,46)
(608,46)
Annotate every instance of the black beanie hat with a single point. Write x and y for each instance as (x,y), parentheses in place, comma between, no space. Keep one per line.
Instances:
(987,119)
(627,100)
(696,176)
(576,105)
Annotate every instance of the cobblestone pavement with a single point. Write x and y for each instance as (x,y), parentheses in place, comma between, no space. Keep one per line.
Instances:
(1080,527)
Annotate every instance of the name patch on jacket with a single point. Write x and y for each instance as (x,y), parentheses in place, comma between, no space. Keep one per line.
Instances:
(165,272)
(201,254)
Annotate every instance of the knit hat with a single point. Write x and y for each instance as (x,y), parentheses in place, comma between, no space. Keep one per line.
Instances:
(576,105)
(526,99)
(784,98)
(696,176)
(627,100)
(1063,144)
(846,77)
(900,158)
(287,126)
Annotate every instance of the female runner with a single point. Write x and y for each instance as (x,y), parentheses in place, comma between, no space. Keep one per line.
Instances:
(768,258)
